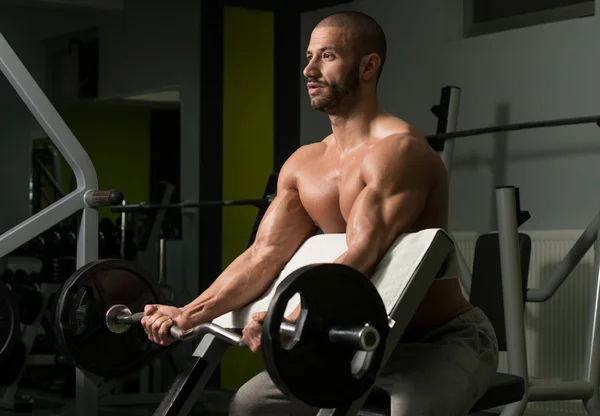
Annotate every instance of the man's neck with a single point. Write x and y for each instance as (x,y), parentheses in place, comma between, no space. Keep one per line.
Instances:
(351,126)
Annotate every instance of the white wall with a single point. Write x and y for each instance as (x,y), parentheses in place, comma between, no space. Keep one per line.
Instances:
(542,72)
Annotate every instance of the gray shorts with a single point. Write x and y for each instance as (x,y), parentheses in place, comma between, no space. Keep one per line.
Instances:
(441,371)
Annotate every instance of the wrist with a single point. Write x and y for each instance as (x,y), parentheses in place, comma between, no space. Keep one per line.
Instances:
(191,314)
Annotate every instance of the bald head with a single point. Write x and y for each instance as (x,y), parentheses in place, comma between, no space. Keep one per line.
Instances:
(365,36)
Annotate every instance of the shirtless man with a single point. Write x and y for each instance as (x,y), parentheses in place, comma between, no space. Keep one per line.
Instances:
(374,178)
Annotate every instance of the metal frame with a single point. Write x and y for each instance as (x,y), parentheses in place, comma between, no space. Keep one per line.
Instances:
(84,198)
(585,389)
(453,99)
(183,394)
(211,349)
(451,96)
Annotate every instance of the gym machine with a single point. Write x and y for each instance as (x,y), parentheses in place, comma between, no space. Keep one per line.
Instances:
(86,198)
(514,294)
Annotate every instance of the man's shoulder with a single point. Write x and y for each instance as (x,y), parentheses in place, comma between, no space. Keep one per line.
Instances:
(305,155)
(402,152)
(401,143)
(309,151)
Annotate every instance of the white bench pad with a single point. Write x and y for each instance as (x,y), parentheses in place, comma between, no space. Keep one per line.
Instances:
(390,277)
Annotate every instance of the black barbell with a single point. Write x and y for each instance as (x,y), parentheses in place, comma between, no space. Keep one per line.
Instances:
(119,318)
(96,331)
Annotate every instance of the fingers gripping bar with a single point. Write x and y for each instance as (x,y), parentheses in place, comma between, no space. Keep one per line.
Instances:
(366,338)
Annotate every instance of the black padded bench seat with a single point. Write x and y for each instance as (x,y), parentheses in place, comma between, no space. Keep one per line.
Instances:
(505,389)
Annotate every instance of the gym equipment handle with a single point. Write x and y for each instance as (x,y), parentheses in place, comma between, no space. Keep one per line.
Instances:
(364,337)
(104,198)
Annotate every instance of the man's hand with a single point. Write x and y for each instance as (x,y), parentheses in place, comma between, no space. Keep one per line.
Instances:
(253,331)
(160,318)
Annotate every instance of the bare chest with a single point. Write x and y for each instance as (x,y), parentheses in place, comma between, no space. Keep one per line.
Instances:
(328,192)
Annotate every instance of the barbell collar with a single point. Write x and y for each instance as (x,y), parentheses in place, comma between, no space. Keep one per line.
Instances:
(365,338)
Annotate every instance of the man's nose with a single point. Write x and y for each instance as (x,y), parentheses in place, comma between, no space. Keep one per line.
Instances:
(311,70)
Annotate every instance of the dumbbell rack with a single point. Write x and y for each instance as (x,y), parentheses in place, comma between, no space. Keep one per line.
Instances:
(8,394)
(151,387)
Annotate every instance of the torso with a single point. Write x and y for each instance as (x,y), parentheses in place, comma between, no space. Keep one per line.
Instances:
(328,185)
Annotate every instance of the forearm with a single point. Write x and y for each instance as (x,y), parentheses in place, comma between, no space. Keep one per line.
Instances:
(246,278)
(362,258)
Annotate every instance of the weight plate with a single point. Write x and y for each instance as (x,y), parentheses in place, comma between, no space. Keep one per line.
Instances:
(80,309)
(311,368)
(10,328)
(11,368)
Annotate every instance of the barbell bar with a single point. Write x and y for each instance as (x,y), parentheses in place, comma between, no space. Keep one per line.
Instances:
(119,318)
(513,127)
(144,206)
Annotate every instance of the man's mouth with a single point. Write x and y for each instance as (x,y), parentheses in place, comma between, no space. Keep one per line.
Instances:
(313,87)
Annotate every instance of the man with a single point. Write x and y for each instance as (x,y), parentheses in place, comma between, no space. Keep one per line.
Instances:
(374,178)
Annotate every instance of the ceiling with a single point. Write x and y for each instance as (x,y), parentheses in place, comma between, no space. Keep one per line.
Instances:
(286,5)
(280,5)
(83,4)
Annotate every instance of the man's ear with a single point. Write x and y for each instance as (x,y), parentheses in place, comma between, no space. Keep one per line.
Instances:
(369,66)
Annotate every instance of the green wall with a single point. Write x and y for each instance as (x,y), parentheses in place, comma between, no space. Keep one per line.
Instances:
(117,139)
(247,146)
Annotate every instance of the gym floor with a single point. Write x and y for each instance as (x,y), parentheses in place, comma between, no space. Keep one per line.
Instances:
(211,403)
(110,412)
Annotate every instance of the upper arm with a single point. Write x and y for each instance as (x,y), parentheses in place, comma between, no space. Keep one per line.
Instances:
(397,177)
(286,224)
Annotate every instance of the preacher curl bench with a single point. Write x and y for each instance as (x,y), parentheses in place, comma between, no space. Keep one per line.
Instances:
(402,279)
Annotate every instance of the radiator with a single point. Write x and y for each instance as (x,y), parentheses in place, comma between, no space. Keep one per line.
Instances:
(556,331)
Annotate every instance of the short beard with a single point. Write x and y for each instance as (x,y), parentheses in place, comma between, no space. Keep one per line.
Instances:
(338,91)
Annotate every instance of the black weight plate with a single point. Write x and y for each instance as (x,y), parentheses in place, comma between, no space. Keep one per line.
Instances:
(313,369)
(81,331)
(11,368)
(10,328)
